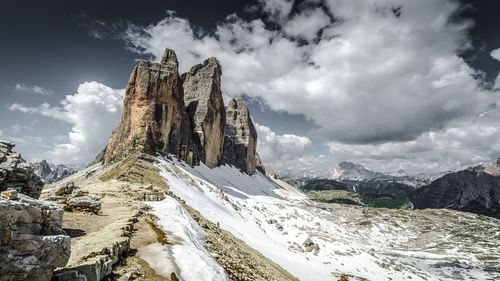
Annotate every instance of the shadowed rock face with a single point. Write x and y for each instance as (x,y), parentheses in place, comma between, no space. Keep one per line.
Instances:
(240,137)
(15,173)
(469,190)
(205,107)
(153,117)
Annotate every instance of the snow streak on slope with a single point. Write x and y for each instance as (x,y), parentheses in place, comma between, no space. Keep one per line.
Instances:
(276,219)
(187,255)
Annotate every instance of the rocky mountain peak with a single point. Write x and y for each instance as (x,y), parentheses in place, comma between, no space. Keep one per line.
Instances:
(170,58)
(205,107)
(351,171)
(184,116)
(51,172)
(153,116)
(240,137)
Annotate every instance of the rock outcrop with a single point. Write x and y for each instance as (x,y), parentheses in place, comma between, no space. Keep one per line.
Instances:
(184,116)
(205,107)
(240,139)
(74,198)
(98,252)
(154,118)
(51,173)
(473,190)
(32,243)
(15,173)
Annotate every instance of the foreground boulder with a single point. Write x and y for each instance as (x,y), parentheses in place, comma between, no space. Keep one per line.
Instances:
(32,243)
(240,140)
(154,118)
(205,107)
(74,198)
(16,174)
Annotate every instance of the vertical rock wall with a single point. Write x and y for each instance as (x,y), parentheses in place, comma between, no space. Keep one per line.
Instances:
(184,116)
(240,137)
(205,107)
(153,116)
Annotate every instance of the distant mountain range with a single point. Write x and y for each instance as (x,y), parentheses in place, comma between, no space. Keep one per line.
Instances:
(476,189)
(347,171)
(53,172)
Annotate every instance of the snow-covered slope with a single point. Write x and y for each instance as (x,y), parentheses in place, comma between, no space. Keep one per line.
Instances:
(188,250)
(377,244)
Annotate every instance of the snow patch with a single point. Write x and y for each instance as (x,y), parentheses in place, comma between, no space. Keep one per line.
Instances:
(187,256)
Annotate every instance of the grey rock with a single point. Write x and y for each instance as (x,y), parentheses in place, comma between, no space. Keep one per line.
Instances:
(472,190)
(240,137)
(310,246)
(259,166)
(16,174)
(205,107)
(83,203)
(64,189)
(32,242)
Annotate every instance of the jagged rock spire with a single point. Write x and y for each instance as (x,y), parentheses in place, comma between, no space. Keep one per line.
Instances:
(205,107)
(153,117)
(170,58)
(240,137)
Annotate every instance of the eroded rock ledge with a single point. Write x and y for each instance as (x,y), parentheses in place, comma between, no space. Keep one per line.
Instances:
(16,174)
(32,242)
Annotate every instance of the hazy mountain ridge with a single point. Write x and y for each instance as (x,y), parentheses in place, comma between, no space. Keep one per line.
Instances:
(53,172)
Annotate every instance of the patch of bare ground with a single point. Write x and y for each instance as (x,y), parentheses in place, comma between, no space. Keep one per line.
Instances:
(107,243)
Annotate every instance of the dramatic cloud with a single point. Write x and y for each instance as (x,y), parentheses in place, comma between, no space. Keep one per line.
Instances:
(32,89)
(381,74)
(93,111)
(496,55)
(307,24)
(459,146)
(379,60)
(279,150)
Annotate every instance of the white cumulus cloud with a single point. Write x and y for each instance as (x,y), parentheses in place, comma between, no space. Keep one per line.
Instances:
(32,89)
(93,111)
(279,150)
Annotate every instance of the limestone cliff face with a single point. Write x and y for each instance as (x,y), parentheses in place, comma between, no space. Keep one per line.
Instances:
(474,190)
(184,116)
(153,117)
(205,107)
(240,137)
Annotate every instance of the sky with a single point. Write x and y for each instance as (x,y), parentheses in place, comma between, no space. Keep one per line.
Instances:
(390,84)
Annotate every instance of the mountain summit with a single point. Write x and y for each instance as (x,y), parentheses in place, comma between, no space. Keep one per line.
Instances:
(183,115)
